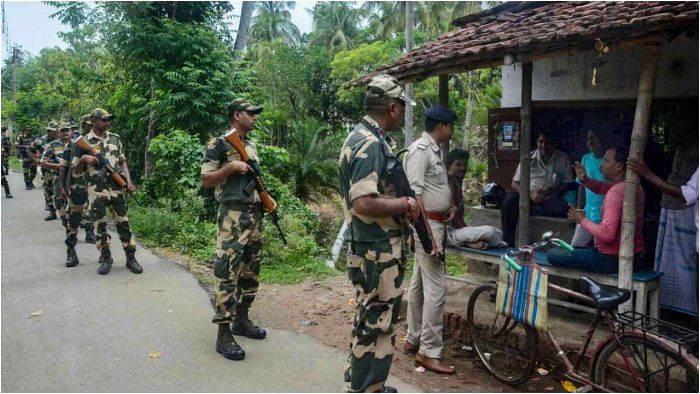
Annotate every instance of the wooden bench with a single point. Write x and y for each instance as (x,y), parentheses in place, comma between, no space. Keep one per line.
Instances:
(645,283)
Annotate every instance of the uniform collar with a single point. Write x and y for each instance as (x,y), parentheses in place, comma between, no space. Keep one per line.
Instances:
(376,128)
(433,144)
(92,134)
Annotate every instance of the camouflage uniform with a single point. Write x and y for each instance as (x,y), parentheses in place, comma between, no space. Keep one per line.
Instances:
(53,154)
(77,196)
(377,257)
(103,193)
(6,151)
(28,166)
(239,235)
(37,148)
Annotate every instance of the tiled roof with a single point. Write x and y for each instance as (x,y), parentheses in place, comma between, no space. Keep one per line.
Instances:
(535,28)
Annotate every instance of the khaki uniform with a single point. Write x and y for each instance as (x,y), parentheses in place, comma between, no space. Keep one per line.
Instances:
(376,258)
(47,176)
(427,176)
(239,235)
(103,193)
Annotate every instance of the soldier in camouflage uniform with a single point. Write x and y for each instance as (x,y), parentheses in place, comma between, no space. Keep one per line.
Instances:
(36,149)
(51,165)
(377,231)
(85,223)
(103,193)
(239,235)
(22,144)
(6,152)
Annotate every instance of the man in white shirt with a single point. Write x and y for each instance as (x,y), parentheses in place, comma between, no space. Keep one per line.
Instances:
(550,174)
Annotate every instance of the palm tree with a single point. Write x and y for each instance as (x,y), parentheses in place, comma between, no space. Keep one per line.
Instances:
(313,155)
(244,26)
(273,20)
(335,24)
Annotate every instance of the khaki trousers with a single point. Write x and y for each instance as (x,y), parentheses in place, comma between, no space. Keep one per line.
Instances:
(426,297)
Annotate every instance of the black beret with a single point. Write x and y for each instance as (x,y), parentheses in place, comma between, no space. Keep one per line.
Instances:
(441,114)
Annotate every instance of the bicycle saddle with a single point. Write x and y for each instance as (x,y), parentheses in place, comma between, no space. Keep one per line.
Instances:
(605,297)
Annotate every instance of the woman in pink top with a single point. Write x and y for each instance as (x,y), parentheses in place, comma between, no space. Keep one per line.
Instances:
(606,235)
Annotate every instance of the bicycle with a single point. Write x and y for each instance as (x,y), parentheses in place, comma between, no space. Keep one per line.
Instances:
(639,354)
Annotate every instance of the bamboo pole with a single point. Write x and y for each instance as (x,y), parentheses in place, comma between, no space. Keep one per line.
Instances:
(650,56)
(525,131)
(408,128)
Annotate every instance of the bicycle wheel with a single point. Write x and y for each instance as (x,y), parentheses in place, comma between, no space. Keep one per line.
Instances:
(658,368)
(506,348)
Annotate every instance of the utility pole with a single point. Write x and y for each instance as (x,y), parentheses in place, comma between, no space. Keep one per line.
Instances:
(13,94)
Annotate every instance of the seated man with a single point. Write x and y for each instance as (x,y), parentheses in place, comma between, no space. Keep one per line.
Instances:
(606,235)
(550,174)
(458,232)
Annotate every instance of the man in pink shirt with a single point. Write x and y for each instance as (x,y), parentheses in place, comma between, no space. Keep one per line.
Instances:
(603,257)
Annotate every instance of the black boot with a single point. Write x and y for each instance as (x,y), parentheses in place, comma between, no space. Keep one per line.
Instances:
(7,193)
(243,326)
(72,259)
(226,344)
(51,215)
(6,186)
(27,186)
(89,235)
(105,261)
(131,262)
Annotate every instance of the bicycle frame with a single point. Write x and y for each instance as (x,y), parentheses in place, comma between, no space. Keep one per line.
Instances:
(574,369)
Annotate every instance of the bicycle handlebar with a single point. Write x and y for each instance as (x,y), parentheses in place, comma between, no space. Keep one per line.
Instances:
(510,261)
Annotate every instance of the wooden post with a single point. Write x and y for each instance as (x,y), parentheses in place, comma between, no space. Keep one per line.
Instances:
(525,131)
(640,129)
(444,97)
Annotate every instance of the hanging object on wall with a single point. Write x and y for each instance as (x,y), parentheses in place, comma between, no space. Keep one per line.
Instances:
(601,48)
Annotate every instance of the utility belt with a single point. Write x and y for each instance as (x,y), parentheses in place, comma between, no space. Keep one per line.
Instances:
(436,216)
(242,206)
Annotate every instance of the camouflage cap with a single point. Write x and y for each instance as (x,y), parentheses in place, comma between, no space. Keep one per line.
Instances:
(243,105)
(101,114)
(86,119)
(53,126)
(387,86)
(64,126)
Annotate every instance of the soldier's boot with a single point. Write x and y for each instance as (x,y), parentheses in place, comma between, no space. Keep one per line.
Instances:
(226,344)
(72,259)
(105,261)
(388,389)
(27,186)
(89,235)
(51,215)
(131,262)
(243,326)
(7,190)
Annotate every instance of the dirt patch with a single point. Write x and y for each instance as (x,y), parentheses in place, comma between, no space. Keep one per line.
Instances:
(324,309)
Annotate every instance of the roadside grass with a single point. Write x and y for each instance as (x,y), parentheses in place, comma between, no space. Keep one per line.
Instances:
(15,164)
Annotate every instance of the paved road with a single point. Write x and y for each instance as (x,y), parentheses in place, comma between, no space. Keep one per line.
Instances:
(95,332)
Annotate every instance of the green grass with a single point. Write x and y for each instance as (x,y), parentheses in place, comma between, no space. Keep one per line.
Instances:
(15,164)
(280,264)
(456,266)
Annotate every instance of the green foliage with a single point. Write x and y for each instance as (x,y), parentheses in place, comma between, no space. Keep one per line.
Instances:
(335,25)
(177,158)
(271,21)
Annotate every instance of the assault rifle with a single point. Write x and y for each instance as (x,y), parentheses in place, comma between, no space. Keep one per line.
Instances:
(398,178)
(81,143)
(234,138)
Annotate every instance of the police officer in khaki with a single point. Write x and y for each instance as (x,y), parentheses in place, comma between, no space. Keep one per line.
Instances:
(378,227)
(427,175)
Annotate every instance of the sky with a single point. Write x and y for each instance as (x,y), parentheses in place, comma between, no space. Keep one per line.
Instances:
(29,24)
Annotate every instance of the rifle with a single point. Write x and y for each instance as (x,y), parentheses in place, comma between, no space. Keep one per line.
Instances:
(81,143)
(398,178)
(234,138)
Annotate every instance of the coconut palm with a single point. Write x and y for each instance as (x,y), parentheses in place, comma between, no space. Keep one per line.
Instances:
(273,20)
(335,24)
(244,25)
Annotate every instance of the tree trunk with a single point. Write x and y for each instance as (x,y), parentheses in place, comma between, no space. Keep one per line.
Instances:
(650,56)
(468,112)
(243,28)
(148,164)
(525,130)
(408,128)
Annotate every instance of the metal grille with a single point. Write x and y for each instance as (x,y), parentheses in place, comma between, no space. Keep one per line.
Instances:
(682,337)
